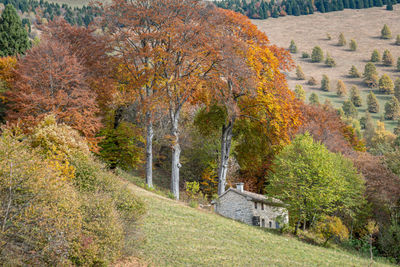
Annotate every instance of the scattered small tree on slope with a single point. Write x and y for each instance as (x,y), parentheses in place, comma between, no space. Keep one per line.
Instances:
(355,97)
(329,61)
(387,58)
(299,92)
(398,64)
(386,84)
(292,47)
(317,54)
(397,40)
(349,109)
(375,56)
(13,36)
(313,99)
(372,103)
(341,40)
(353,73)
(392,109)
(332,226)
(397,89)
(299,73)
(341,89)
(385,32)
(325,83)
(353,45)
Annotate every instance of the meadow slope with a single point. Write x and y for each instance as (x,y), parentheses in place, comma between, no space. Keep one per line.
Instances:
(177,235)
(362,25)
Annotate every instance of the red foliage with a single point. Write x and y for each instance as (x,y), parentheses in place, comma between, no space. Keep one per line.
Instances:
(325,125)
(49,79)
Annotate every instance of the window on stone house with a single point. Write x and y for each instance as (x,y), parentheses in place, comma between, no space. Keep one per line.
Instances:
(255,205)
(262,206)
(262,223)
(270,224)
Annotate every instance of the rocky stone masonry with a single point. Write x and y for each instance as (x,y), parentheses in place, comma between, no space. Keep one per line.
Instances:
(240,205)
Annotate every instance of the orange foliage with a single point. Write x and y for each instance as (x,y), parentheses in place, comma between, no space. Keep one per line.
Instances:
(49,79)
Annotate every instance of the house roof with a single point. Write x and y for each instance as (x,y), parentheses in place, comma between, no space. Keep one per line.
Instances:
(256,197)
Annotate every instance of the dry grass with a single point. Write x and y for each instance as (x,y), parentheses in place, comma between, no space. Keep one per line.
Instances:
(177,235)
(363,25)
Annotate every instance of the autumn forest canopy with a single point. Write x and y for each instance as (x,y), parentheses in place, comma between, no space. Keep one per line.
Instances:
(185,90)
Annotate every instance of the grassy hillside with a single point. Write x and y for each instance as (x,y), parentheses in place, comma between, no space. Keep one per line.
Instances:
(363,25)
(177,235)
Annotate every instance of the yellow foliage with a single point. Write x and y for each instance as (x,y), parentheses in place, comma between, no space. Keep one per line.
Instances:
(332,226)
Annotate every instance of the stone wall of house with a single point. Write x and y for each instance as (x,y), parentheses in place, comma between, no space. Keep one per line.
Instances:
(235,206)
(269,214)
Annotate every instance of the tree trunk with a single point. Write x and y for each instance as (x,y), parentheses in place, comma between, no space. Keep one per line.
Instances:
(176,152)
(226,141)
(149,151)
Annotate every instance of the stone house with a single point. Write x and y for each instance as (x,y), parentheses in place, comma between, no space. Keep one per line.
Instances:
(251,208)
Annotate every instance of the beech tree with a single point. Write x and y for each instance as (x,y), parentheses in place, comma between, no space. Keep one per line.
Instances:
(397,88)
(353,72)
(341,89)
(375,56)
(355,97)
(49,79)
(313,99)
(325,83)
(317,54)
(299,73)
(392,109)
(386,84)
(387,58)
(329,61)
(300,93)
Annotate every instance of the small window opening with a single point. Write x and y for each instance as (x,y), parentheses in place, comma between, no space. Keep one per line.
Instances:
(262,206)
(255,205)
(263,223)
(270,224)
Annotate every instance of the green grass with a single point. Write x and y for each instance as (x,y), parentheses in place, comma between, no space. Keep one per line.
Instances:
(177,235)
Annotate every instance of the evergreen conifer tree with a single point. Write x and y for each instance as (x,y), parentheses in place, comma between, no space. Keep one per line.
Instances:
(375,57)
(292,47)
(314,100)
(341,89)
(386,84)
(389,5)
(372,103)
(317,55)
(299,92)
(13,36)
(353,73)
(341,40)
(353,45)
(387,58)
(397,40)
(397,89)
(355,97)
(299,73)
(392,109)
(325,83)
(329,61)
(385,32)
(349,109)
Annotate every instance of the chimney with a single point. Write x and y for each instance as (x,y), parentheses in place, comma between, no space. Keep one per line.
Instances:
(239,186)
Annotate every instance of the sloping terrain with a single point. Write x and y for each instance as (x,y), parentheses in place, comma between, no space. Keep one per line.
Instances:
(177,235)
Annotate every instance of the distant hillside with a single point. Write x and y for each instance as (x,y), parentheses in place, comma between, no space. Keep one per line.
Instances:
(177,235)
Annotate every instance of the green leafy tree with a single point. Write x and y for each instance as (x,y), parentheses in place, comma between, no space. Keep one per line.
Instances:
(375,56)
(292,47)
(341,89)
(355,97)
(349,109)
(387,58)
(370,75)
(13,36)
(389,5)
(329,61)
(325,83)
(313,99)
(386,84)
(299,92)
(353,45)
(353,72)
(299,73)
(392,109)
(341,40)
(317,54)
(314,181)
(385,32)
(372,103)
